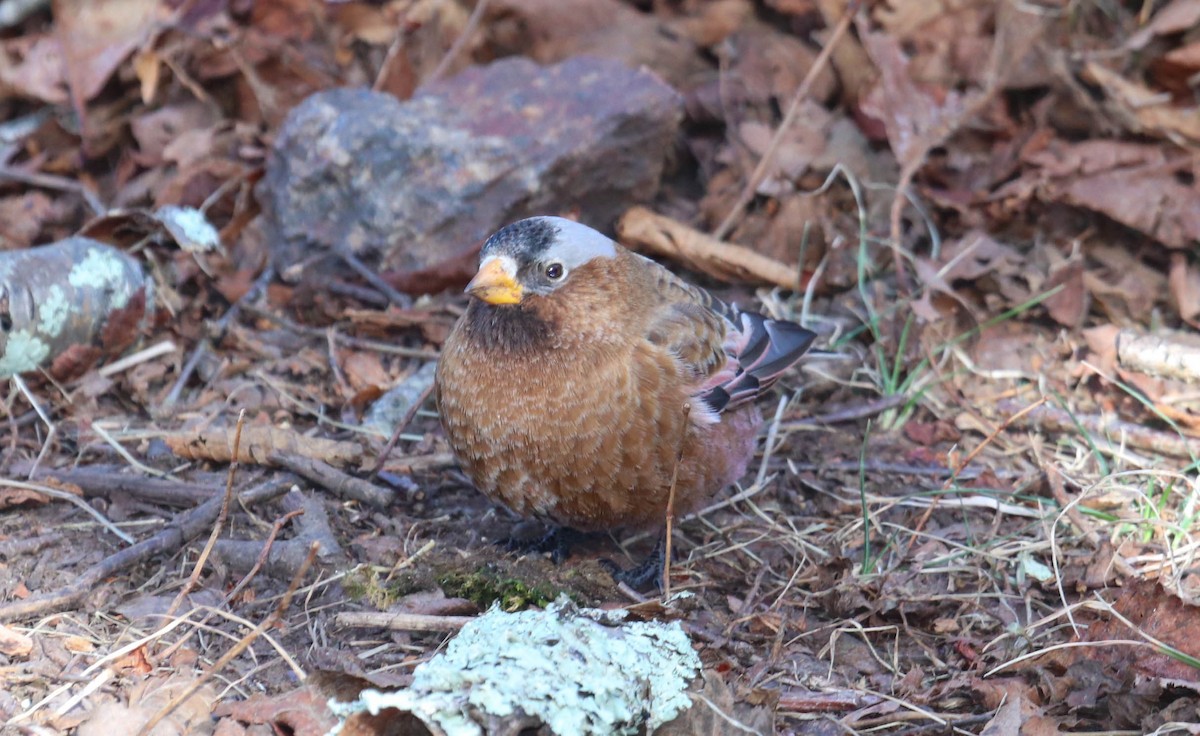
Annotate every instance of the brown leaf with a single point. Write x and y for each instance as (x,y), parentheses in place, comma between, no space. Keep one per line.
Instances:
(40,72)
(910,111)
(1144,110)
(365,369)
(97,36)
(155,131)
(1102,344)
(1069,305)
(1184,281)
(1176,16)
(978,254)
(1100,175)
(1124,287)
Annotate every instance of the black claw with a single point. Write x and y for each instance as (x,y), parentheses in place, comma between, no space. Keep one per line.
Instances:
(557,541)
(646,573)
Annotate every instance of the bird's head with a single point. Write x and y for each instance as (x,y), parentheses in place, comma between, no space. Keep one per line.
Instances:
(535,256)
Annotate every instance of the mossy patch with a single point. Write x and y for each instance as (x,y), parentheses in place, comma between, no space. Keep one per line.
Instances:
(485,587)
(484,579)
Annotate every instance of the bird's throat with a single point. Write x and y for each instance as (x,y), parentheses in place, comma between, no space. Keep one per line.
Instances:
(512,328)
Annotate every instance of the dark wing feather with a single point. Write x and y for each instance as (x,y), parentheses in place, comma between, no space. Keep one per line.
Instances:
(769,347)
(735,356)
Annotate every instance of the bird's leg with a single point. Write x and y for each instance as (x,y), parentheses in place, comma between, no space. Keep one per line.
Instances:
(644,574)
(558,541)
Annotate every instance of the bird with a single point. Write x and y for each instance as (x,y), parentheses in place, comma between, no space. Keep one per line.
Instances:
(583,379)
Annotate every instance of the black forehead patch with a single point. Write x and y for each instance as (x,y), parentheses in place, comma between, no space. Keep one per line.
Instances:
(522,239)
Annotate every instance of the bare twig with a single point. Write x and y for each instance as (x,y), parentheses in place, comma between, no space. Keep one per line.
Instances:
(218,524)
(276,527)
(341,484)
(764,163)
(236,649)
(186,526)
(666,571)
(37,407)
(203,347)
(52,181)
(70,498)
(1016,417)
(400,427)
(460,43)
(401,621)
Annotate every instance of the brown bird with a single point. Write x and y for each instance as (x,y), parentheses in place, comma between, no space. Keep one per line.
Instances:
(582,370)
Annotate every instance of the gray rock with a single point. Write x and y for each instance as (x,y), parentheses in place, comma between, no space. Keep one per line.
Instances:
(406,186)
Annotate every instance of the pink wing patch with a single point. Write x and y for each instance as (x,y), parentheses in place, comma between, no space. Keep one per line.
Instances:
(759,350)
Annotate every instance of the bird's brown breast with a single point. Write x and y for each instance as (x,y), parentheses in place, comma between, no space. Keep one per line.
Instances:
(581,434)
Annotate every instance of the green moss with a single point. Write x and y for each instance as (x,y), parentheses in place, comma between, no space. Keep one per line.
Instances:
(484,587)
(369,584)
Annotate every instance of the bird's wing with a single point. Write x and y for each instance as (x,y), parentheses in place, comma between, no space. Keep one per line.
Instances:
(734,356)
(686,321)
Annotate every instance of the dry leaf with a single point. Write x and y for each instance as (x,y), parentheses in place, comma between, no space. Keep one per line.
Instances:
(1184,281)
(1144,110)
(14,643)
(97,36)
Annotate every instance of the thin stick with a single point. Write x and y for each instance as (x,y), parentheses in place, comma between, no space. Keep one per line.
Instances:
(764,163)
(666,573)
(150,353)
(70,498)
(24,389)
(237,589)
(178,532)
(972,455)
(460,42)
(769,445)
(120,450)
(403,425)
(204,346)
(238,648)
(400,621)
(53,181)
(989,439)
(222,515)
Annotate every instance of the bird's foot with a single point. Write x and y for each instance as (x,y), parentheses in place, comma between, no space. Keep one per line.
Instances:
(557,541)
(644,575)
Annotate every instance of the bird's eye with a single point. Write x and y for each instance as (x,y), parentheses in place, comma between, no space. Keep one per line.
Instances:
(555,271)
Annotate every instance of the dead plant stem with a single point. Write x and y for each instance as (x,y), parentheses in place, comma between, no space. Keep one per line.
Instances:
(666,571)
(764,163)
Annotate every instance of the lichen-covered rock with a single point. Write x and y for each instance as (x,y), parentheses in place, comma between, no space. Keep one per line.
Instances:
(575,671)
(404,186)
(64,306)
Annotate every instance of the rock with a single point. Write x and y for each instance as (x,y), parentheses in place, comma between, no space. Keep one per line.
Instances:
(406,186)
(67,305)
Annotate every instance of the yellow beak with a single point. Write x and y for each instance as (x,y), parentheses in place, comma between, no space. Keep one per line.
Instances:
(495,282)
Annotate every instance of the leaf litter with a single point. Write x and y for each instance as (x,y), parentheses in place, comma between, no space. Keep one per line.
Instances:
(988,211)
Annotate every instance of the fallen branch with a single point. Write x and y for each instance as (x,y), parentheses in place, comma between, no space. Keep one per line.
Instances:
(337,482)
(400,621)
(644,230)
(183,529)
(1167,355)
(1107,431)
